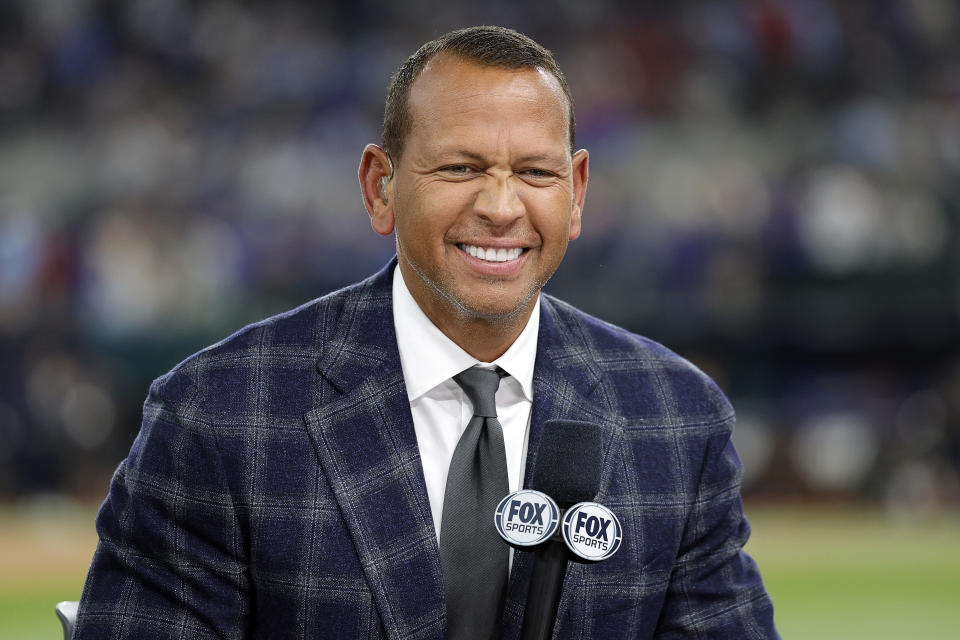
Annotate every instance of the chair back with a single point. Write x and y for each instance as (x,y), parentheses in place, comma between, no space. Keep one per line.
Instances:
(67,612)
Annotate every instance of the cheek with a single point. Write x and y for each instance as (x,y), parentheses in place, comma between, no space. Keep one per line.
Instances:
(438,207)
(424,218)
(550,214)
(450,199)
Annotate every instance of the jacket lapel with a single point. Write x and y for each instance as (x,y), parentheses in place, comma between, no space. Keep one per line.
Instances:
(566,384)
(363,434)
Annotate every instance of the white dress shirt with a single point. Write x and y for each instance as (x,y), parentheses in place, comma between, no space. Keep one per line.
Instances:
(440,408)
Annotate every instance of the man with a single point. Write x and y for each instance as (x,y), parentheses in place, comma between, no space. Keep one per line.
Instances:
(295,480)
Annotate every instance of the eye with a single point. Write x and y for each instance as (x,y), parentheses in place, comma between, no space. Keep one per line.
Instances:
(458,170)
(537,175)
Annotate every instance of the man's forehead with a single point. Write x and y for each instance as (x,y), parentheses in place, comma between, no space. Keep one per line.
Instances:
(446,70)
(448,83)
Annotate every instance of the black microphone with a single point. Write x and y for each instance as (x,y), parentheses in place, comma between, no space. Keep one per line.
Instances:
(568,470)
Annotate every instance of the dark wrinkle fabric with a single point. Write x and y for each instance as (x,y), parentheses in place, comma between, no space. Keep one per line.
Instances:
(275,490)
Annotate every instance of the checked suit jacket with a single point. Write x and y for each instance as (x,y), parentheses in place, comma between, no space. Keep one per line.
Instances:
(275,490)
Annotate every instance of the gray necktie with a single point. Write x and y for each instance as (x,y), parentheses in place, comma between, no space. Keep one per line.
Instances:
(473,557)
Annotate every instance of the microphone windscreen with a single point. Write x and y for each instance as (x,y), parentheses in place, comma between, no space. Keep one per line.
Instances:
(568,461)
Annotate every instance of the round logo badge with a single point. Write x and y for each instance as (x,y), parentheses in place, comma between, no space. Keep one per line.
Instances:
(591,531)
(526,517)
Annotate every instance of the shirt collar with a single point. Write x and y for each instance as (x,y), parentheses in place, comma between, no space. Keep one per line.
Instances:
(429,358)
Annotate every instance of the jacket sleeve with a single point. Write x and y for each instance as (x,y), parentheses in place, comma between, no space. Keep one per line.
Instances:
(169,562)
(715,589)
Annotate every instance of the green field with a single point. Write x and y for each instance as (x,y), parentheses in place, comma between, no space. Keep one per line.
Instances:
(843,573)
(45,549)
(833,573)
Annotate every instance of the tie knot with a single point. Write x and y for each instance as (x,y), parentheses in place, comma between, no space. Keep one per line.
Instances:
(480,385)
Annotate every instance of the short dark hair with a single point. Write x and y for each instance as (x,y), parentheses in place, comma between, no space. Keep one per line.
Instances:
(485,45)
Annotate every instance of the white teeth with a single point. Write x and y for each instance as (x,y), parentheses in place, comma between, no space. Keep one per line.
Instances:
(492,255)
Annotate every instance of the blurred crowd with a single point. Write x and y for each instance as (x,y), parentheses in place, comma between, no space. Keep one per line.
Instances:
(774,193)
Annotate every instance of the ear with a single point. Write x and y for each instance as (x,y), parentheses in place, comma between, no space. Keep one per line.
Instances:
(376,185)
(581,172)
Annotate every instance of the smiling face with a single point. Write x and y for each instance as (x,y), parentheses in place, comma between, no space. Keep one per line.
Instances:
(486,195)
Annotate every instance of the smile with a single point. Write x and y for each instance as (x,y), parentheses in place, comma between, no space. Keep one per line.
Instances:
(491,254)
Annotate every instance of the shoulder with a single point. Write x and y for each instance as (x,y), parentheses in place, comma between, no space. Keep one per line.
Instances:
(648,380)
(287,345)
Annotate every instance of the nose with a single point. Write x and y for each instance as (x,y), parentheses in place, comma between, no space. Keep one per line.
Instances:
(499,200)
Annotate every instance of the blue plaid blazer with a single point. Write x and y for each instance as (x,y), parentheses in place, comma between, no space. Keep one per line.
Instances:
(275,490)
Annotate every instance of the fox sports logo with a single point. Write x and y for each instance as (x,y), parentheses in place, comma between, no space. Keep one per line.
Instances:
(526,517)
(591,531)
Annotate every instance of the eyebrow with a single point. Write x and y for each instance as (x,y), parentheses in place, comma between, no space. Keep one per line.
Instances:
(467,154)
(537,158)
(521,160)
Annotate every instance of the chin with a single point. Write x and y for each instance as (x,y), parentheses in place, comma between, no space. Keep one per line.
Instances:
(497,309)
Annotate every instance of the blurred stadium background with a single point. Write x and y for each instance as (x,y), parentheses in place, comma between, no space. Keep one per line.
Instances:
(774,194)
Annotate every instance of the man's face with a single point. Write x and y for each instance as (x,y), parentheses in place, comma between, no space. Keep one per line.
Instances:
(486,195)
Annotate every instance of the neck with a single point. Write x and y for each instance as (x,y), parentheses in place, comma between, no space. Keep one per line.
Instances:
(486,338)
(483,340)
